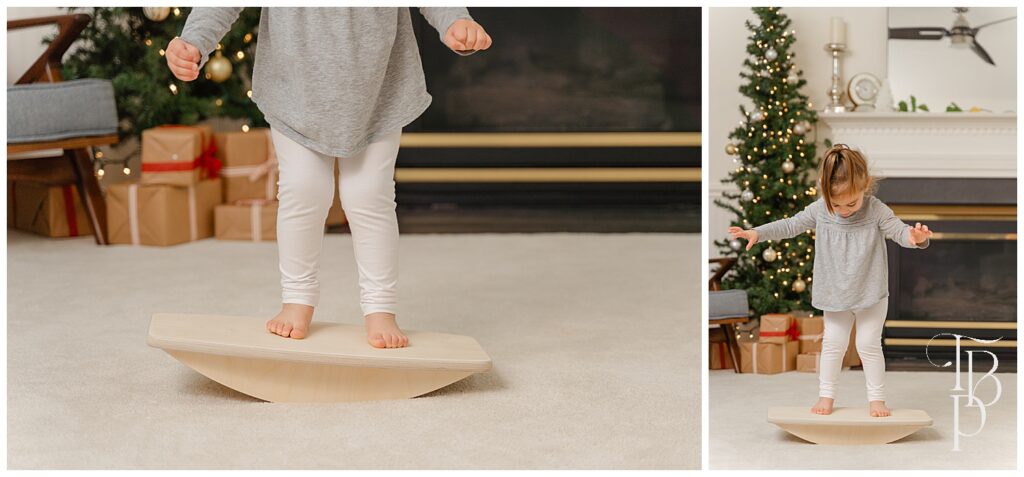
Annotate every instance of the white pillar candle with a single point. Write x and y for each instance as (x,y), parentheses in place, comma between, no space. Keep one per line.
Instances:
(838,31)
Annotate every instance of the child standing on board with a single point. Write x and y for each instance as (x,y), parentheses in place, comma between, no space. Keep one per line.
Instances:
(851,281)
(334,84)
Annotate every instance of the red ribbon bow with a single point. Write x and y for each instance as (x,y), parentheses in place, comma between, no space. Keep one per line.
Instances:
(793,332)
(207,160)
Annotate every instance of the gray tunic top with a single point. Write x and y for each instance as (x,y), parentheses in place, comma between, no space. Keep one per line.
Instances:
(331,79)
(850,261)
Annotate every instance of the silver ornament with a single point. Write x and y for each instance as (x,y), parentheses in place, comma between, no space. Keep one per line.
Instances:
(157,14)
(799,285)
(792,78)
(746,196)
(769,255)
(788,166)
(756,116)
(735,245)
(799,128)
(771,54)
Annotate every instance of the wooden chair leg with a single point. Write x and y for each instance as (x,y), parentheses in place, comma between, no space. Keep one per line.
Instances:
(89,192)
(733,345)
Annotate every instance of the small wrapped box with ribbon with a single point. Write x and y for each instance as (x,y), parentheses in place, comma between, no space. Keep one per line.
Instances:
(767,358)
(249,164)
(176,154)
(718,348)
(46,209)
(141,214)
(251,219)
(808,362)
(778,328)
(811,329)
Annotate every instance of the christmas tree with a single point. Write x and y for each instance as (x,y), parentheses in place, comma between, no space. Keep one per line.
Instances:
(126,46)
(774,173)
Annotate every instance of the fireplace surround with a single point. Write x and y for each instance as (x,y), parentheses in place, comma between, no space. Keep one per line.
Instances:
(955,172)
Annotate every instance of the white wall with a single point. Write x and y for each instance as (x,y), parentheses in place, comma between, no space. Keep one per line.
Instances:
(26,44)
(866,32)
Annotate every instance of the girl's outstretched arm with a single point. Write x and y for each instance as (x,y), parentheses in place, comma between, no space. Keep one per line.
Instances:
(894,229)
(787,228)
(457,29)
(205,27)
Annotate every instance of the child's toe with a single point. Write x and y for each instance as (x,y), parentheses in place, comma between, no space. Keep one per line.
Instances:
(286,329)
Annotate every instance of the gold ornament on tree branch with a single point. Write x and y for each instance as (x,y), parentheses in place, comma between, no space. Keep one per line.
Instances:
(731,149)
(799,285)
(218,69)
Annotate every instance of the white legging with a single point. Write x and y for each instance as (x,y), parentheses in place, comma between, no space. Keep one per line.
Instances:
(838,325)
(367,183)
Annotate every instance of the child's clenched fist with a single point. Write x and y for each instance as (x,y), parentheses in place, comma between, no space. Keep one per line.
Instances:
(183,59)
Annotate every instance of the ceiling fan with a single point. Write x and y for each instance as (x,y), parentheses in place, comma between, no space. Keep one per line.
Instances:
(961,35)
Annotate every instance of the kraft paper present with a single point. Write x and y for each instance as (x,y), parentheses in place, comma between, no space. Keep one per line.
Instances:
(777,328)
(767,358)
(249,163)
(177,154)
(47,209)
(808,362)
(811,329)
(851,358)
(720,357)
(254,221)
(143,214)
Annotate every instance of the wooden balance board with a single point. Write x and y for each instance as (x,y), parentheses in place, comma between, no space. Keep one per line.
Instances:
(848,426)
(333,363)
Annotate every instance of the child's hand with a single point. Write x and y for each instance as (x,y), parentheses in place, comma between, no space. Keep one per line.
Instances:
(750,235)
(183,59)
(919,233)
(466,36)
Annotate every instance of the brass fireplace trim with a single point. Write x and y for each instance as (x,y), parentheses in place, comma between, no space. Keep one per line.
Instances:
(971,236)
(948,343)
(547,174)
(913,212)
(551,139)
(970,325)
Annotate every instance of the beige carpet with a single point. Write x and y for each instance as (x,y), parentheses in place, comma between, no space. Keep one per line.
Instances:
(589,335)
(741,438)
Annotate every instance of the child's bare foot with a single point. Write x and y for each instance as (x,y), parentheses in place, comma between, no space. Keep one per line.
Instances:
(824,406)
(878,409)
(383,332)
(292,321)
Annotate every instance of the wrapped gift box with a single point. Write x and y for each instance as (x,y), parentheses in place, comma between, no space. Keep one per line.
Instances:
(808,362)
(253,220)
(767,358)
(777,328)
(720,357)
(141,214)
(178,155)
(46,209)
(851,358)
(811,329)
(249,164)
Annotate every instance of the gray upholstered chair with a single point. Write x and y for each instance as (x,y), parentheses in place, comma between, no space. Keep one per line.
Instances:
(727,308)
(46,113)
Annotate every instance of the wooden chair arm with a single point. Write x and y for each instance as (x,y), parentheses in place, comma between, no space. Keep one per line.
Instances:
(715,283)
(46,69)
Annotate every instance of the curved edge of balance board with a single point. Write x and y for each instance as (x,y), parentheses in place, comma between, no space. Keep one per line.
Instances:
(848,426)
(305,382)
(334,344)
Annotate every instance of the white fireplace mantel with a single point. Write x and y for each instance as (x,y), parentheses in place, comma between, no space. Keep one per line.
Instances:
(930,144)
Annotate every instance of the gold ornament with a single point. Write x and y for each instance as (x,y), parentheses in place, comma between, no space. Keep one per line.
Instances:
(731,149)
(157,14)
(218,68)
(788,166)
(769,255)
(799,285)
